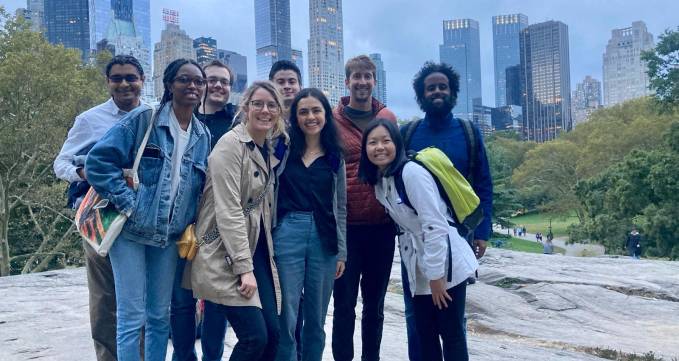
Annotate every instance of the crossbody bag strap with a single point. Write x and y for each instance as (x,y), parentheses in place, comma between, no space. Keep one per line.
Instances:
(132,173)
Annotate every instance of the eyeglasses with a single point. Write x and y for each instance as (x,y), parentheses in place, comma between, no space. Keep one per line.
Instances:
(258,105)
(186,80)
(213,81)
(130,78)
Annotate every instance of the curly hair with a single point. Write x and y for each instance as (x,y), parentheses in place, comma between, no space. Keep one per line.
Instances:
(427,69)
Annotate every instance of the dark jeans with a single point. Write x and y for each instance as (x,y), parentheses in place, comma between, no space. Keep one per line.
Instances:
(102,304)
(413,340)
(257,329)
(370,253)
(442,329)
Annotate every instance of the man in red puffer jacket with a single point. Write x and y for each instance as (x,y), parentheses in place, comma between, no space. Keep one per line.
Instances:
(370,231)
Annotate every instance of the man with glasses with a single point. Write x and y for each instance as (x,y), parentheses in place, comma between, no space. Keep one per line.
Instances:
(216,112)
(125,79)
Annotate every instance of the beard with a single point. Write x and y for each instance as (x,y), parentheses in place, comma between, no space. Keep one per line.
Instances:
(438,110)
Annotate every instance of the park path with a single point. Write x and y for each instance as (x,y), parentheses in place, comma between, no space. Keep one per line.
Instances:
(573,249)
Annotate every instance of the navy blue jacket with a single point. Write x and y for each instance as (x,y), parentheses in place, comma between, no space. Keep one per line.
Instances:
(448,135)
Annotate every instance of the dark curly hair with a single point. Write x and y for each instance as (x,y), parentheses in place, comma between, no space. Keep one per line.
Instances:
(427,69)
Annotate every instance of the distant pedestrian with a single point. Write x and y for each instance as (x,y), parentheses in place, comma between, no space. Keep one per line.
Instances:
(633,243)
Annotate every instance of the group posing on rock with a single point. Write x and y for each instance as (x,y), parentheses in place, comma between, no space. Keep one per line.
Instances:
(291,201)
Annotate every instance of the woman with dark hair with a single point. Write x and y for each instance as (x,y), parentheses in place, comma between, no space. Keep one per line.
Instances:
(171,177)
(310,222)
(234,270)
(436,268)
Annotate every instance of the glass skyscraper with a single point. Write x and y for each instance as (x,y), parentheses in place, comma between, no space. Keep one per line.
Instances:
(545,81)
(380,89)
(68,23)
(272,34)
(506,32)
(326,48)
(461,50)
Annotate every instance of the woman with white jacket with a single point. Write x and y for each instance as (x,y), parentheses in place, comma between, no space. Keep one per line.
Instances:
(437,259)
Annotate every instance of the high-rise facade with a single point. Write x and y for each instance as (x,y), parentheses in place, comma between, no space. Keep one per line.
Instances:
(68,23)
(625,75)
(34,13)
(298,59)
(513,85)
(326,48)
(545,81)
(239,64)
(380,89)
(586,99)
(461,50)
(206,49)
(506,32)
(174,44)
(272,34)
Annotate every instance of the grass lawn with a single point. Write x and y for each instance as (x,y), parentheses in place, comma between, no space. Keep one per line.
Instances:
(539,222)
(522,245)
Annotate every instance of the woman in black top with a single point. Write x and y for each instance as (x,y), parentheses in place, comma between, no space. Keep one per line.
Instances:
(310,233)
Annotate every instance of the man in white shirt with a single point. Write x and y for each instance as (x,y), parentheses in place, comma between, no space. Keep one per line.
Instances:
(125,79)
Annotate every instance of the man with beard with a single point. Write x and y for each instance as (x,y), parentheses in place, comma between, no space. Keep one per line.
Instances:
(125,79)
(370,231)
(436,87)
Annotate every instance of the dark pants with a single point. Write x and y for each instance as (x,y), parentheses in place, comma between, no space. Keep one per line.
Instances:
(101,288)
(413,339)
(257,329)
(370,253)
(442,329)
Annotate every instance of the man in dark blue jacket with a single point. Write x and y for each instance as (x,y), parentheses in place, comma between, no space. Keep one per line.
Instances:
(436,87)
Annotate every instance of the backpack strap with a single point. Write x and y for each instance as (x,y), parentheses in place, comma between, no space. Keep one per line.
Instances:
(407,132)
(401,188)
(472,147)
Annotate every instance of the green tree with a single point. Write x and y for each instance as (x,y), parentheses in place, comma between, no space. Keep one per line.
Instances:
(42,88)
(663,68)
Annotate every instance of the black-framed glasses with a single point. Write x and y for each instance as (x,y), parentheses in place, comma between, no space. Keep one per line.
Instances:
(258,105)
(186,80)
(214,80)
(130,78)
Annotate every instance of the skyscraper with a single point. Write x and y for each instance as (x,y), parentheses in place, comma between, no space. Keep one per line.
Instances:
(545,80)
(298,59)
(513,85)
(506,31)
(380,89)
(272,34)
(326,48)
(206,49)
(239,64)
(34,13)
(586,99)
(461,50)
(68,23)
(174,43)
(625,75)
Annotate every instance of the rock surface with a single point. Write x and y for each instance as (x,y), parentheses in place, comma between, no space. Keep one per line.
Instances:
(525,307)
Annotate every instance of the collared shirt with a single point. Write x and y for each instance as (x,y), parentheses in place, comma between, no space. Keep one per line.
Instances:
(87,129)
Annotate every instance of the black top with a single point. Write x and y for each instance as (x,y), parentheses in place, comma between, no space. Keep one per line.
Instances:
(310,190)
(218,123)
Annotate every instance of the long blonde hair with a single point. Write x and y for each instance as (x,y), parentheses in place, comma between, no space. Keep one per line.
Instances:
(279,124)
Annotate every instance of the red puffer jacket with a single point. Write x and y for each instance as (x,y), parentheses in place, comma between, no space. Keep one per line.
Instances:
(362,207)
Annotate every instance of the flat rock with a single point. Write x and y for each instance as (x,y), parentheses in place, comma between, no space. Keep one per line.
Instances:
(525,307)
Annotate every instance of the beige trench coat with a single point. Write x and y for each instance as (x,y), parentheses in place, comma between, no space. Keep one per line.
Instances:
(237,175)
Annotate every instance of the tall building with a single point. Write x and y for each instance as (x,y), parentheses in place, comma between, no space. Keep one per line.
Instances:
(380,89)
(326,48)
(586,99)
(206,49)
(545,80)
(34,13)
(625,75)
(272,34)
(174,43)
(239,64)
(298,59)
(506,32)
(461,50)
(513,85)
(68,23)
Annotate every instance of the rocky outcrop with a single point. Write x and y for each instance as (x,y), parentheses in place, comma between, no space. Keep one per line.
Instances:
(525,307)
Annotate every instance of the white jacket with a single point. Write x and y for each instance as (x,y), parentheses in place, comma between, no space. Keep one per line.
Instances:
(424,243)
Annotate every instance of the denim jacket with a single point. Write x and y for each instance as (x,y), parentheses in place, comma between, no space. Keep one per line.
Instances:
(152,219)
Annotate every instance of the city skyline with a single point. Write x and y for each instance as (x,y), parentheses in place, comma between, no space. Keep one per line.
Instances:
(368,28)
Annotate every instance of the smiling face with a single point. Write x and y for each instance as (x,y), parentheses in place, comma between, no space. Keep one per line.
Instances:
(310,116)
(125,84)
(288,85)
(360,84)
(437,97)
(380,148)
(262,112)
(218,85)
(188,86)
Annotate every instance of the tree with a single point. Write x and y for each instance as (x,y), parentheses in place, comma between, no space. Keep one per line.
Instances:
(42,88)
(663,68)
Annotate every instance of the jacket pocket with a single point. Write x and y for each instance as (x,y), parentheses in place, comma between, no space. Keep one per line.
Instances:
(151,166)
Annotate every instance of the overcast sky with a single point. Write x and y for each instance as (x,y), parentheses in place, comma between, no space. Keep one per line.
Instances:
(408,32)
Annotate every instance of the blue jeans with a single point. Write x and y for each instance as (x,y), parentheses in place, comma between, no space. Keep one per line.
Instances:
(303,263)
(143,281)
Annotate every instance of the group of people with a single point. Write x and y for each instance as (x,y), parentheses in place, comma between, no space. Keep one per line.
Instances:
(293,202)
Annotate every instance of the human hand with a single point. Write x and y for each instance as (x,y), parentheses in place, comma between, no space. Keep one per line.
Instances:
(479,248)
(339,271)
(248,285)
(439,294)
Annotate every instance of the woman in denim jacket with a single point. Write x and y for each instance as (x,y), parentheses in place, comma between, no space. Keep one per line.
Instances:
(171,174)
